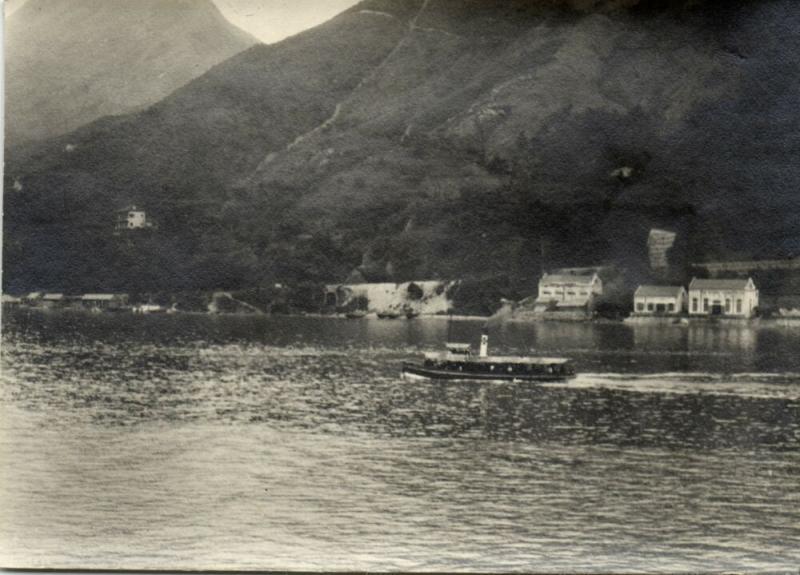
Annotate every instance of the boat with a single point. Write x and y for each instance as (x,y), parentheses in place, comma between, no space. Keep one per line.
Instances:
(459,363)
(411,314)
(355,314)
(388,314)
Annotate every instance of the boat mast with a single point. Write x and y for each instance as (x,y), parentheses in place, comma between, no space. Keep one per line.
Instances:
(449,325)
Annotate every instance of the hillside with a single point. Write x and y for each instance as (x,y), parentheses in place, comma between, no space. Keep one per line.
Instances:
(69,62)
(178,160)
(438,139)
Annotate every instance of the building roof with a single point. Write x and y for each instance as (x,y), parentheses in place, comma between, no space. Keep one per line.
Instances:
(569,279)
(731,284)
(53,297)
(10,299)
(657,232)
(580,271)
(658,291)
(98,297)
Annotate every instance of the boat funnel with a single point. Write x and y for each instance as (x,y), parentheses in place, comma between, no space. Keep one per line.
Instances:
(484,345)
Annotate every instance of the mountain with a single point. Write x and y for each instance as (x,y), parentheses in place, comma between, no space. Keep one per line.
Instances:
(437,138)
(69,62)
(177,159)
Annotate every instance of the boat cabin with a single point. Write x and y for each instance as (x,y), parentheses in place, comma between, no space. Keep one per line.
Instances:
(459,358)
(459,350)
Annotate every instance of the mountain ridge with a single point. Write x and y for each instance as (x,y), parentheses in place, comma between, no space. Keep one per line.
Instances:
(469,142)
(70,62)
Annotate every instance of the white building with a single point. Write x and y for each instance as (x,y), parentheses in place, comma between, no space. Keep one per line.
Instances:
(560,291)
(131,219)
(659,300)
(731,297)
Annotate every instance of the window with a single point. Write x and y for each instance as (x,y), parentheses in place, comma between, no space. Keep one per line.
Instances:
(705,304)
(671,307)
(694,304)
(546,292)
(640,307)
(649,307)
(570,293)
(738,306)
(727,305)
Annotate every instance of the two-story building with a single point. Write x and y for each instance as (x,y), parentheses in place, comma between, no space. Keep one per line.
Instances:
(568,291)
(723,297)
(131,218)
(659,300)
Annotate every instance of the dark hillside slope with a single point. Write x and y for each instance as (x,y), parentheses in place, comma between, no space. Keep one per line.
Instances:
(468,139)
(559,138)
(178,159)
(69,62)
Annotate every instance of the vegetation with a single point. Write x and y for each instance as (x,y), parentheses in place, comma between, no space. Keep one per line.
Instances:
(488,158)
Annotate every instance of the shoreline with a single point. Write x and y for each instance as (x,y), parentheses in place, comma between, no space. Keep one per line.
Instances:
(790,322)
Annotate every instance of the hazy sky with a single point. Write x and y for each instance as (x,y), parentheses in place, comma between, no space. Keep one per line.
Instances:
(267,20)
(272,20)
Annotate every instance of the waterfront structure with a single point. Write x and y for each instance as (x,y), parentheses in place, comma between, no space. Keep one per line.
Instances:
(659,242)
(131,218)
(568,292)
(9,301)
(659,300)
(104,301)
(723,297)
(788,306)
(51,300)
(32,298)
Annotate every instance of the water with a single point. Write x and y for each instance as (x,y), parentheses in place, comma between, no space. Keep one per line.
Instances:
(194,442)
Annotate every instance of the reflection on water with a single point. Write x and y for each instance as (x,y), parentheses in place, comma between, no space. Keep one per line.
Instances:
(270,443)
(742,339)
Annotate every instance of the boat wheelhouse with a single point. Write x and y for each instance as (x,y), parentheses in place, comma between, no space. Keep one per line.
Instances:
(458,362)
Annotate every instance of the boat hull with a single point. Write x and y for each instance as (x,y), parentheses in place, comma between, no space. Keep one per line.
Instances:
(417,372)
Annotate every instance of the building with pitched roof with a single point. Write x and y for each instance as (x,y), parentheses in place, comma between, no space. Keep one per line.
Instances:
(723,297)
(659,300)
(568,292)
(131,218)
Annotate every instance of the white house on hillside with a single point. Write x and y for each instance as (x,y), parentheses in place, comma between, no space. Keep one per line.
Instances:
(729,297)
(131,219)
(565,291)
(661,300)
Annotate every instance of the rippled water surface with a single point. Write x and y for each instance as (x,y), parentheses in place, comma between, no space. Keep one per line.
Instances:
(292,443)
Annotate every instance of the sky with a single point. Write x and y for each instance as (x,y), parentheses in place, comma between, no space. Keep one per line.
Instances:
(267,20)
(273,20)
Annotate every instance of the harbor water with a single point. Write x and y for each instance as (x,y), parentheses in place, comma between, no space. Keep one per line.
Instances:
(243,442)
